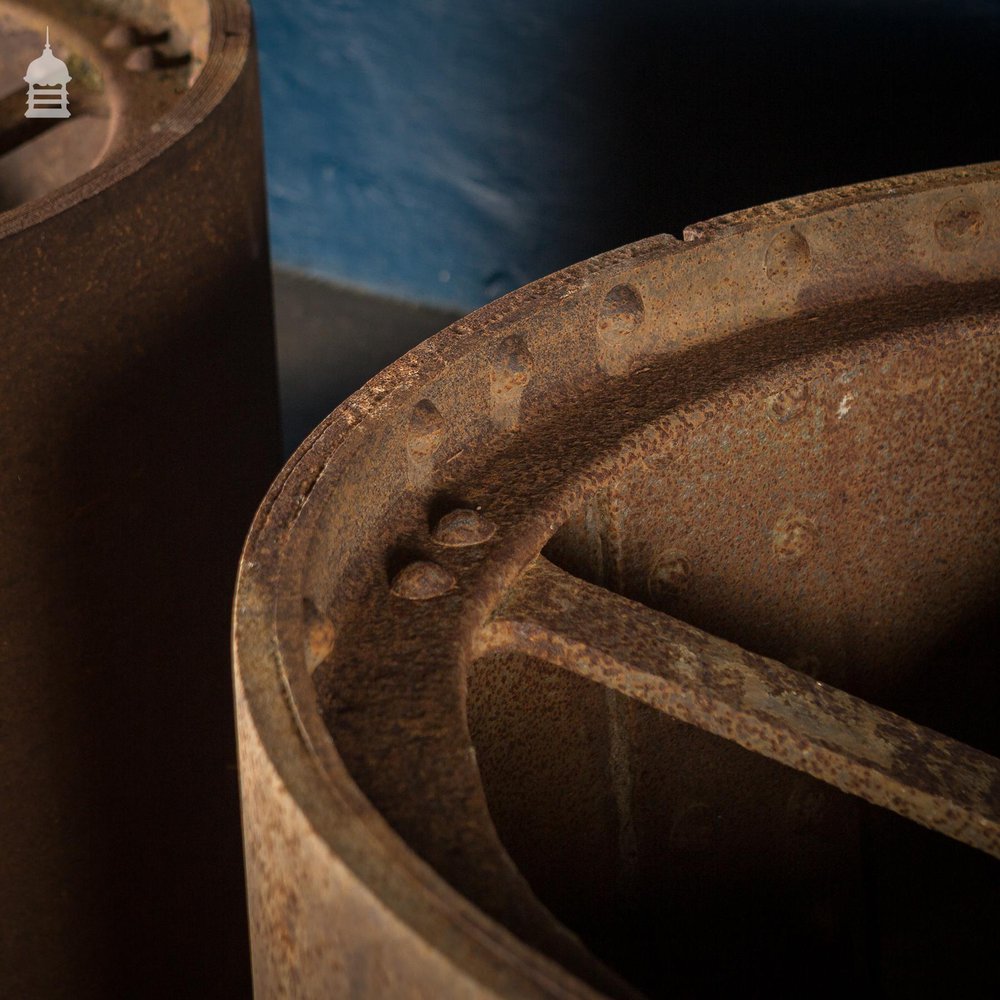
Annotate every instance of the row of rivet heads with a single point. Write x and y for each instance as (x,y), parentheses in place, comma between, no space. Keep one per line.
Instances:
(855,251)
(958,226)
(786,261)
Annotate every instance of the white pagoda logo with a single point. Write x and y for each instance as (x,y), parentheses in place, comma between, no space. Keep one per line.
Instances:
(47,77)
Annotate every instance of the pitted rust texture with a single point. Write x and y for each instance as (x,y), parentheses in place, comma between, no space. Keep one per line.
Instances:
(664,595)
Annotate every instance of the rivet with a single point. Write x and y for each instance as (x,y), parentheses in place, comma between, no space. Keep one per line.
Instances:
(787,256)
(424,437)
(510,372)
(421,581)
(787,405)
(621,314)
(141,60)
(121,36)
(959,224)
(669,576)
(463,527)
(320,635)
(426,430)
(793,536)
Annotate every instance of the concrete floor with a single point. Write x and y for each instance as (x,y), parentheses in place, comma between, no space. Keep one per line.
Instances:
(332,339)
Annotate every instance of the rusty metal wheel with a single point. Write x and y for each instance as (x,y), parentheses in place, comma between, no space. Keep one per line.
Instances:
(606,642)
(130,65)
(139,429)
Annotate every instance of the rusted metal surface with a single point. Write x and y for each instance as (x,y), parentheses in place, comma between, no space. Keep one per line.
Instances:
(635,635)
(138,430)
(755,702)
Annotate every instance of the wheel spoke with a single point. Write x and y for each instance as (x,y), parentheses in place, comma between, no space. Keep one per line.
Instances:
(756,702)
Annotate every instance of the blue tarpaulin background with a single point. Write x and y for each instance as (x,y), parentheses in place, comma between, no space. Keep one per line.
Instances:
(447,151)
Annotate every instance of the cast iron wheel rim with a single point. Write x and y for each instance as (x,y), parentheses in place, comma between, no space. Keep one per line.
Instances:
(429,423)
(226,48)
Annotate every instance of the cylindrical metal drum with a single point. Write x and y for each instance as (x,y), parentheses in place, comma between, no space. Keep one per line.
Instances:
(138,426)
(636,634)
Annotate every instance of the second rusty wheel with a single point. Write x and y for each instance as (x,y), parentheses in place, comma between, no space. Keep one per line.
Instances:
(637,632)
(138,427)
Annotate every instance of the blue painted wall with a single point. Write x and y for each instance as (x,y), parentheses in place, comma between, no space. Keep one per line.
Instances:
(449,150)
